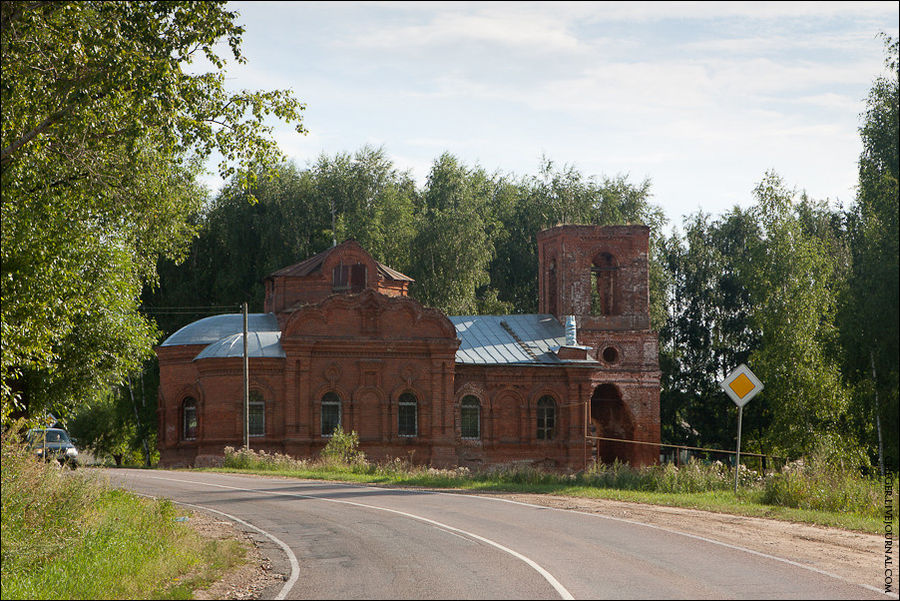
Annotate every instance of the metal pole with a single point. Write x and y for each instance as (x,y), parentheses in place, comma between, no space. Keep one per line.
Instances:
(737,457)
(246,386)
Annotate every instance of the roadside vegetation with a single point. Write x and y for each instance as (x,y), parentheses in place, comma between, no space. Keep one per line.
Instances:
(67,536)
(814,491)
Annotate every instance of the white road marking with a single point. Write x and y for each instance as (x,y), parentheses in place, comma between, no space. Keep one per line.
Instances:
(694,536)
(560,589)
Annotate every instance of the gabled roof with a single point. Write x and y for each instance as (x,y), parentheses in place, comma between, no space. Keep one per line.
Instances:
(510,340)
(314,265)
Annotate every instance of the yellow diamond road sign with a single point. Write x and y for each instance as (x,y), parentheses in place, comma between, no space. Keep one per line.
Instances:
(741,385)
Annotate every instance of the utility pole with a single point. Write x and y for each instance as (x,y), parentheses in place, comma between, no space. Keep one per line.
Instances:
(246,386)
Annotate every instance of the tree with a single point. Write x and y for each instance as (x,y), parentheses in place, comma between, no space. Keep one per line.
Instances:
(708,331)
(869,320)
(454,238)
(104,128)
(790,278)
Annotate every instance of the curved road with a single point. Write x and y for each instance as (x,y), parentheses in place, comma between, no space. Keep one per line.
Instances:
(362,542)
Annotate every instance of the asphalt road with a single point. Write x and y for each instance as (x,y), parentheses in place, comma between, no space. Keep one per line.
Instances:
(358,542)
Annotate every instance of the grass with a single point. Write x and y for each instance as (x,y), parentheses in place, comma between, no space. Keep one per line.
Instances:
(65,536)
(812,492)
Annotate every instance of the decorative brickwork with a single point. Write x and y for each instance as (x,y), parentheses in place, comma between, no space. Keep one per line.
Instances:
(352,349)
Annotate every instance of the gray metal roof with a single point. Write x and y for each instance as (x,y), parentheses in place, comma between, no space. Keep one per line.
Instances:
(259,344)
(509,339)
(212,329)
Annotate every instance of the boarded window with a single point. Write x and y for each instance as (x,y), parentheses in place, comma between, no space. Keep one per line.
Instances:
(331,413)
(470,417)
(340,278)
(546,418)
(408,415)
(348,277)
(189,422)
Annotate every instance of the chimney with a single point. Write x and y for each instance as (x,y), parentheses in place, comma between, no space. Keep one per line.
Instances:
(570,331)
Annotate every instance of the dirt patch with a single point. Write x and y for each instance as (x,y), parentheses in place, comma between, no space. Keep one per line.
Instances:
(856,557)
(246,581)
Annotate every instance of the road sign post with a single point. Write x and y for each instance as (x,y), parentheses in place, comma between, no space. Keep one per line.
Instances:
(740,385)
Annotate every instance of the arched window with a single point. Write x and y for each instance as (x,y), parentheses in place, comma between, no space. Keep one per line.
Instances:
(331,413)
(189,419)
(552,304)
(408,415)
(546,418)
(257,414)
(603,285)
(470,417)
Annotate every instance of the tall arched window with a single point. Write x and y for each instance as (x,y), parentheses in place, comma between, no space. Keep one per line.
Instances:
(331,413)
(407,415)
(546,418)
(603,285)
(470,417)
(552,302)
(189,421)
(257,414)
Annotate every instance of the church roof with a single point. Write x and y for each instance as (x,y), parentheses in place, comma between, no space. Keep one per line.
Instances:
(484,339)
(213,329)
(314,265)
(259,344)
(510,340)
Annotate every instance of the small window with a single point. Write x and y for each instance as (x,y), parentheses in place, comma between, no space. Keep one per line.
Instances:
(358,278)
(340,277)
(470,417)
(610,354)
(257,414)
(546,418)
(189,419)
(331,413)
(407,415)
(348,277)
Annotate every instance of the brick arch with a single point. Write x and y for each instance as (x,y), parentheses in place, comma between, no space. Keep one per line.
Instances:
(612,418)
(506,416)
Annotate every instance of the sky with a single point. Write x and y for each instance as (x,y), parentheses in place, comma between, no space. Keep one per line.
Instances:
(701,98)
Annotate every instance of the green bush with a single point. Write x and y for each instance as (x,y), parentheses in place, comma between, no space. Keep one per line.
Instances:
(343,449)
(820,485)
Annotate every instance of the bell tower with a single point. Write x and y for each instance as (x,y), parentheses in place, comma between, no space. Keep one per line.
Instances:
(600,275)
(597,273)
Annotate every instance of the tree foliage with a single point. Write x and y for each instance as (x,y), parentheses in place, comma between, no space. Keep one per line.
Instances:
(104,127)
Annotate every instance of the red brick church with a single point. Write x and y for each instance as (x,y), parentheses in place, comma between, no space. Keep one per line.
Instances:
(341,343)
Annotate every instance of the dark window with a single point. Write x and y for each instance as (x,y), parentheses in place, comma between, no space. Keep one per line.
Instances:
(257,414)
(603,285)
(348,277)
(340,276)
(470,417)
(610,354)
(551,288)
(546,418)
(189,419)
(358,278)
(331,413)
(407,415)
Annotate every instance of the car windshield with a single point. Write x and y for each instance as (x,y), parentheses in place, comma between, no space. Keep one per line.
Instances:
(38,436)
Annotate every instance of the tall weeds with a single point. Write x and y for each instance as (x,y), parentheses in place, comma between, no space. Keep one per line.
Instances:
(65,536)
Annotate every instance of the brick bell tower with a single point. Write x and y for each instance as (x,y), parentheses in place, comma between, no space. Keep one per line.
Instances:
(600,274)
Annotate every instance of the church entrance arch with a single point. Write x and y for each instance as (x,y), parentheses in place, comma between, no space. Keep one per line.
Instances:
(612,419)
